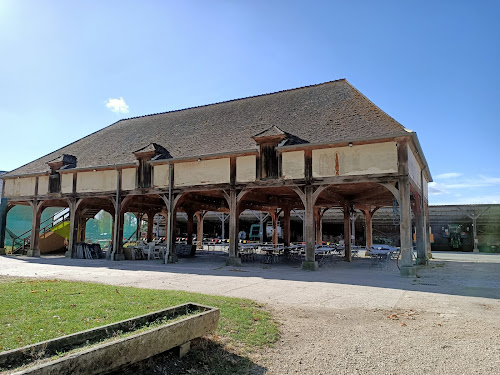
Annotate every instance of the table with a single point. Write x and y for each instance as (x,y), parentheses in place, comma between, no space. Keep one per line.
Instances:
(381,257)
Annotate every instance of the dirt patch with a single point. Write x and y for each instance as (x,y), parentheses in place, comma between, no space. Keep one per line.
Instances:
(357,341)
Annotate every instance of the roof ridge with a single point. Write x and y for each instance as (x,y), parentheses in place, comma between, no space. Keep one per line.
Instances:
(234,100)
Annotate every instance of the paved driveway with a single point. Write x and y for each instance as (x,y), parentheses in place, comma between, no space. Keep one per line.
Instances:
(452,277)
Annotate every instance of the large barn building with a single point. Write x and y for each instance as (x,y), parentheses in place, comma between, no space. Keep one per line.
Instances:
(308,148)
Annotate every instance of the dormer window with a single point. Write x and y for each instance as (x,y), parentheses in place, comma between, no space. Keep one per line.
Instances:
(64,161)
(269,162)
(268,140)
(144,155)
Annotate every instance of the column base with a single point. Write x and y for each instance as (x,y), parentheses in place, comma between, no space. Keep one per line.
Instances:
(422,261)
(68,254)
(407,271)
(233,261)
(310,265)
(119,256)
(2,251)
(33,253)
(172,258)
(475,250)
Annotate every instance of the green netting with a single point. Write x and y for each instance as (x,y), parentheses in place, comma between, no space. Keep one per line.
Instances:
(98,229)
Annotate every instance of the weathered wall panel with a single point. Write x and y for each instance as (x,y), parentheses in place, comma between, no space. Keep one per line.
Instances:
(43,185)
(9,188)
(246,169)
(214,171)
(67,182)
(20,187)
(426,189)
(128,178)
(357,160)
(413,167)
(96,181)
(27,186)
(160,175)
(292,164)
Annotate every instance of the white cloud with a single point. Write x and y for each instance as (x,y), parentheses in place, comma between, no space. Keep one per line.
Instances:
(455,188)
(444,176)
(117,105)
(490,180)
(436,188)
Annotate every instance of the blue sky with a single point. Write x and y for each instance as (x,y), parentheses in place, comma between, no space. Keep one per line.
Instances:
(69,68)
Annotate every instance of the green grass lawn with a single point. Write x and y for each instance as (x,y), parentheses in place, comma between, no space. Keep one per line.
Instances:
(37,310)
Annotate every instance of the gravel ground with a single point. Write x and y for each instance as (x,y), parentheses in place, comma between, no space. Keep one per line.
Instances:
(397,341)
(342,319)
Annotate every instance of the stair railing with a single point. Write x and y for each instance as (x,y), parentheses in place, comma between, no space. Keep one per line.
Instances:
(45,226)
(128,239)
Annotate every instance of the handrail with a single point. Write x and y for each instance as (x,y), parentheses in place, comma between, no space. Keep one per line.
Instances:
(128,239)
(52,223)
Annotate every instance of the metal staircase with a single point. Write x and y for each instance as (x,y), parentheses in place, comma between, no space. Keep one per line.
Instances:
(21,243)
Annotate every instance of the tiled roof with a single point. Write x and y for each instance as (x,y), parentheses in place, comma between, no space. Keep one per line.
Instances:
(270,132)
(328,112)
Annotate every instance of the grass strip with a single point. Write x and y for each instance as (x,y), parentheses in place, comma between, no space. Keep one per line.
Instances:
(39,310)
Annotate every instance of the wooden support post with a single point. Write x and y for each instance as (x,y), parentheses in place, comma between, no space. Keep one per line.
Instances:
(347,233)
(262,229)
(149,235)
(286,226)
(3,223)
(117,253)
(200,216)
(138,234)
(84,229)
(190,226)
(274,218)
(233,258)
(73,228)
(34,251)
(170,235)
(427,232)
(368,229)
(318,212)
(310,262)
(407,266)
(420,233)
(174,228)
(368,212)
(82,223)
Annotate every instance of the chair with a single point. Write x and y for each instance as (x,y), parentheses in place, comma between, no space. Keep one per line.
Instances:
(154,251)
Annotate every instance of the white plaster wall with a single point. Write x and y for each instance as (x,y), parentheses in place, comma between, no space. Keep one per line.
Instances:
(43,185)
(128,178)
(425,189)
(357,160)
(9,188)
(246,169)
(96,181)
(292,164)
(214,171)
(67,183)
(413,167)
(20,187)
(160,175)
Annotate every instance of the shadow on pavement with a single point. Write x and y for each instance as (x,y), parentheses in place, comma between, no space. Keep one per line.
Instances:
(464,274)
